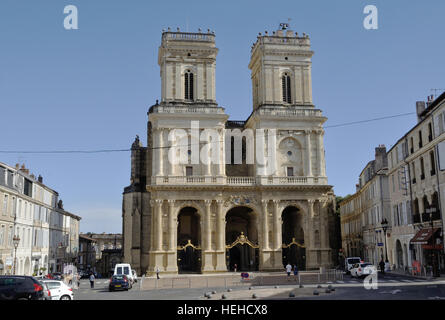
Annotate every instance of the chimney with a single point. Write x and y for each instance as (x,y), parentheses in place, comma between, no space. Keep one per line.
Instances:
(381,158)
(420,107)
(430,100)
(40,179)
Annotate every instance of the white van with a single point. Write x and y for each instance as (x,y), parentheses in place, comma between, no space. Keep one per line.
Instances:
(349,262)
(124,268)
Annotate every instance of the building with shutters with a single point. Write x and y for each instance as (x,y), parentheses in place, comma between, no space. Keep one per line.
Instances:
(414,179)
(33,212)
(251,195)
(362,213)
(416,172)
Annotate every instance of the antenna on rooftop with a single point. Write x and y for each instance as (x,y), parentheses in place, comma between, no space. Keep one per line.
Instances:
(435,92)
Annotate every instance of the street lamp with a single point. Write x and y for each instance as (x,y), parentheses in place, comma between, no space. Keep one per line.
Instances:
(384,224)
(15,241)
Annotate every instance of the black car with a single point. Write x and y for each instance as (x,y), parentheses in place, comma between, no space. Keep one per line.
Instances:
(20,288)
(119,282)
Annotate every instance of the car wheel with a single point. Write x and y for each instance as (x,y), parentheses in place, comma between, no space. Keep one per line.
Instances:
(65,297)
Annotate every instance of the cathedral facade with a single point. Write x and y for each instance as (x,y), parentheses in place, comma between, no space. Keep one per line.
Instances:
(212,195)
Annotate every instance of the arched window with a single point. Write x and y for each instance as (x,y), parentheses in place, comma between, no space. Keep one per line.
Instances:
(285,83)
(188,85)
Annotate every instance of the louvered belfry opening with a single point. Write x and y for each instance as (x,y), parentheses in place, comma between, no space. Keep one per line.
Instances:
(285,82)
(188,85)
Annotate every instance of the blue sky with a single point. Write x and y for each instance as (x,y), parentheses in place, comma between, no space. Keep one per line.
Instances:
(91,88)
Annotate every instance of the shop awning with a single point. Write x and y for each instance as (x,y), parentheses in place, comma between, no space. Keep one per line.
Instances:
(424,235)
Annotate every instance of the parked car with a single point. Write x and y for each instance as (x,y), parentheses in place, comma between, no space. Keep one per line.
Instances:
(360,270)
(119,282)
(46,291)
(55,276)
(59,290)
(350,262)
(20,288)
(124,268)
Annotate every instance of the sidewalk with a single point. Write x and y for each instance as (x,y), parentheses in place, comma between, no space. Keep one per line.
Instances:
(423,277)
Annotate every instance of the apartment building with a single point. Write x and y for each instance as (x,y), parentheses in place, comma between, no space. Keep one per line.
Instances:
(417,191)
(29,215)
(362,214)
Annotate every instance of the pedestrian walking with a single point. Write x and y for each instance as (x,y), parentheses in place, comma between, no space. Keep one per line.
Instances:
(92,280)
(295,272)
(235,267)
(288,270)
(382,266)
(157,272)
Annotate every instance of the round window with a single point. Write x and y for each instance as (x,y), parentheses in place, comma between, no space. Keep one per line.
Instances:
(289,153)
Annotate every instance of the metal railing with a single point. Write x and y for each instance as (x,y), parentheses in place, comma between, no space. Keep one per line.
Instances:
(232,281)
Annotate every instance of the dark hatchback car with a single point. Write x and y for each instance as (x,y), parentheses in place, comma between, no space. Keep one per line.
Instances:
(119,282)
(20,288)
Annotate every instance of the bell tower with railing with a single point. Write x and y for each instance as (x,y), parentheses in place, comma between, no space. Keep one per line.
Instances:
(281,69)
(187,62)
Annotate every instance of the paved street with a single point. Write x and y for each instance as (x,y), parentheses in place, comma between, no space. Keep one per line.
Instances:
(389,287)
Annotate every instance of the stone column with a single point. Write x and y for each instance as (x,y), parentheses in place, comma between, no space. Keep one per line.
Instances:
(320,150)
(324,234)
(220,238)
(277,226)
(308,153)
(207,264)
(161,152)
(158,225)
(222,156)
(322,218)
(311,253)
(266,253)
(172,263)
(277,241)
(156,254)
(265,225)
(208,213)
(172,228)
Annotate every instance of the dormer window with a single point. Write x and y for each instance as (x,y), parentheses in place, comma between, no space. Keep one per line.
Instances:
(285,83)
(188,85)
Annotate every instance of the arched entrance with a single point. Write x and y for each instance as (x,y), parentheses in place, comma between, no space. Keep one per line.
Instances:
(294,251)
(189,240)
(399,252)
(242,239)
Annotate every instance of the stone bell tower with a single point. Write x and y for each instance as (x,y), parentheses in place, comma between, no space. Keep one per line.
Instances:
(281,69)
(187,62)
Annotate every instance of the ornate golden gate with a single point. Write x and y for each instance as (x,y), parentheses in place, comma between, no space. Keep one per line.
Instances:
(295,254)
(189,257)
(242,254)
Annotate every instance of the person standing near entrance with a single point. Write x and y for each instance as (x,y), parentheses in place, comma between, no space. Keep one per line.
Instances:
(288,270)
(295,272)
(157,272)
(92,280)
